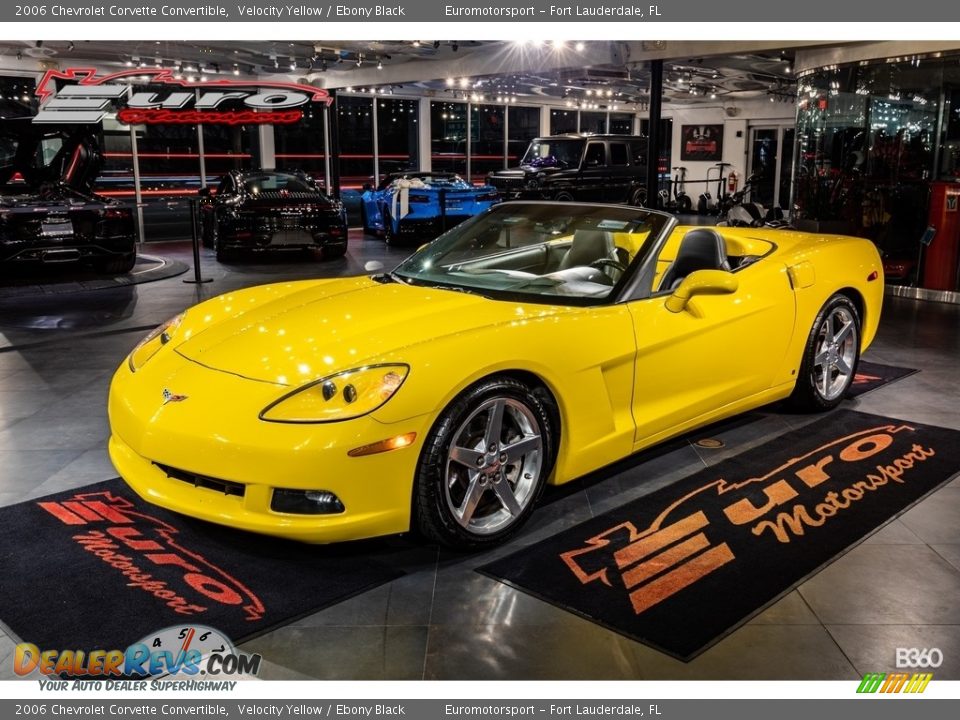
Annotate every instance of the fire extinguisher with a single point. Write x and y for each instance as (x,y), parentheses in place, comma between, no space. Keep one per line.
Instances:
(733,180)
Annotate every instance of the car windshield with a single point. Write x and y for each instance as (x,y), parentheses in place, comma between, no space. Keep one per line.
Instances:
(560,253)
(554,153)
(269,182)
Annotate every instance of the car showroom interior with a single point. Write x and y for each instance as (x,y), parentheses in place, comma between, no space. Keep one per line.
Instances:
(483,360)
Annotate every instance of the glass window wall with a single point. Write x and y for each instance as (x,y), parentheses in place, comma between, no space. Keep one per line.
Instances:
(563,121)
(302,145)
(523,126)
(355,122)
(487,136)
(448,136)
(398,135)
(870,139)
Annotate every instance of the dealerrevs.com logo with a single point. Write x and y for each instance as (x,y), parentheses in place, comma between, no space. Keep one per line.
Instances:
(183,652)
(81,96)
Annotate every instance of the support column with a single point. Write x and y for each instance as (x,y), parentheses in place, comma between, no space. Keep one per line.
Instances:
(426,146)
(334,137)
(654,140)
(268,151)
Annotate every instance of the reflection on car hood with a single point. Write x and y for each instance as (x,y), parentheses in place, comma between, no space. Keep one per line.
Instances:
(297,332)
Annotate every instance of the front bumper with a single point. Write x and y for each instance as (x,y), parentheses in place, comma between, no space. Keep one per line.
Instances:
(216,433)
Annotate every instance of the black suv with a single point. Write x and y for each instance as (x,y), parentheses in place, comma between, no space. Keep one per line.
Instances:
(592,168)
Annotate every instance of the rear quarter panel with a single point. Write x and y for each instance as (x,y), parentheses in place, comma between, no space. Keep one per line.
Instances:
(820,266)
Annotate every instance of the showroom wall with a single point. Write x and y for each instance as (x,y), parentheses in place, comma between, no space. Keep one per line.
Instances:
(431,130)
(735,147)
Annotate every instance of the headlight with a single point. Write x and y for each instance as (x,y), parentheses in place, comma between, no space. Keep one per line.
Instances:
(157,338)
(344,396)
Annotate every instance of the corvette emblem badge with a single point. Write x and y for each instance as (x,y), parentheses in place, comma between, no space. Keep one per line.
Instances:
(169,397)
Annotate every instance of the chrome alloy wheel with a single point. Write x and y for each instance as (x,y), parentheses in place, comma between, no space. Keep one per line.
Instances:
(493,466)
(836,353)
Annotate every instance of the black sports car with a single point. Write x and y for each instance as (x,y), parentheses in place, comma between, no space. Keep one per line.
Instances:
(48,210)
(266,209)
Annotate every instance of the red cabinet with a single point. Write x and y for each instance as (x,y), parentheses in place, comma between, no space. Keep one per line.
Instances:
(942,257)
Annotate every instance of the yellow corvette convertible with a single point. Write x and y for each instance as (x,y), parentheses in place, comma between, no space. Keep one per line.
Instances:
(532,344)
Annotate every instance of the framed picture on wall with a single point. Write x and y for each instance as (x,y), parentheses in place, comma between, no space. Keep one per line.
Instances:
(701,142)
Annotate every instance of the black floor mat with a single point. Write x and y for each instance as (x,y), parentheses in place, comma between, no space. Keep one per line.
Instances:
(98,568)
(871,376)
(684,566)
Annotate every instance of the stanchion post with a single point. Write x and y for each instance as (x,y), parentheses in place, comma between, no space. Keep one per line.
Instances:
(195,238)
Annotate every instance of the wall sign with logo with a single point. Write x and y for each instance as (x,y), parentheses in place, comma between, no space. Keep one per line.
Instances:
(81,96)
(701,142)
(952,199)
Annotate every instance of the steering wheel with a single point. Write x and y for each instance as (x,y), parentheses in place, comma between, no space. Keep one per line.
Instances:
(608,262)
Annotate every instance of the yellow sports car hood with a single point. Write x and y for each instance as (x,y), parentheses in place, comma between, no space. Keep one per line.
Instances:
(292,333)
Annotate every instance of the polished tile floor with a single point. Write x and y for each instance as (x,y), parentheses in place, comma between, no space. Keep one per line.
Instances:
(442,620)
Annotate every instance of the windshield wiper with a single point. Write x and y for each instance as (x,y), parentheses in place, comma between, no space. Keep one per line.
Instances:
(389,277)
(455,288)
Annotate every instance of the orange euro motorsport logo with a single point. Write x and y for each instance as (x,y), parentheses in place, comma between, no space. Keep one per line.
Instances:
(894,683)
(674,551)
(145,551)
(177,651)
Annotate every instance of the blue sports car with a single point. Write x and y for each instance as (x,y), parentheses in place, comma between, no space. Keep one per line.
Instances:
(421,205)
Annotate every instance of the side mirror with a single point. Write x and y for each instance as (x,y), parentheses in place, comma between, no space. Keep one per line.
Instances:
(702,282)
(372,266)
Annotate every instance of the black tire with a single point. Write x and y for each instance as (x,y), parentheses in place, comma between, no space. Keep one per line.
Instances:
(432,514)
(563,196)
(367,230)
(116,264)
(684,204)
(808,394)
(639,198)
(224,254)
(388,237)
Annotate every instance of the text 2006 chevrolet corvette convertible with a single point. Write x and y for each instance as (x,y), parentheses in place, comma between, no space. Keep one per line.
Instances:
(532,344)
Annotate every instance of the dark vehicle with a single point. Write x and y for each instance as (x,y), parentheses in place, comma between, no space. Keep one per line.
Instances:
(593,168)
(266,209)
(48,212)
